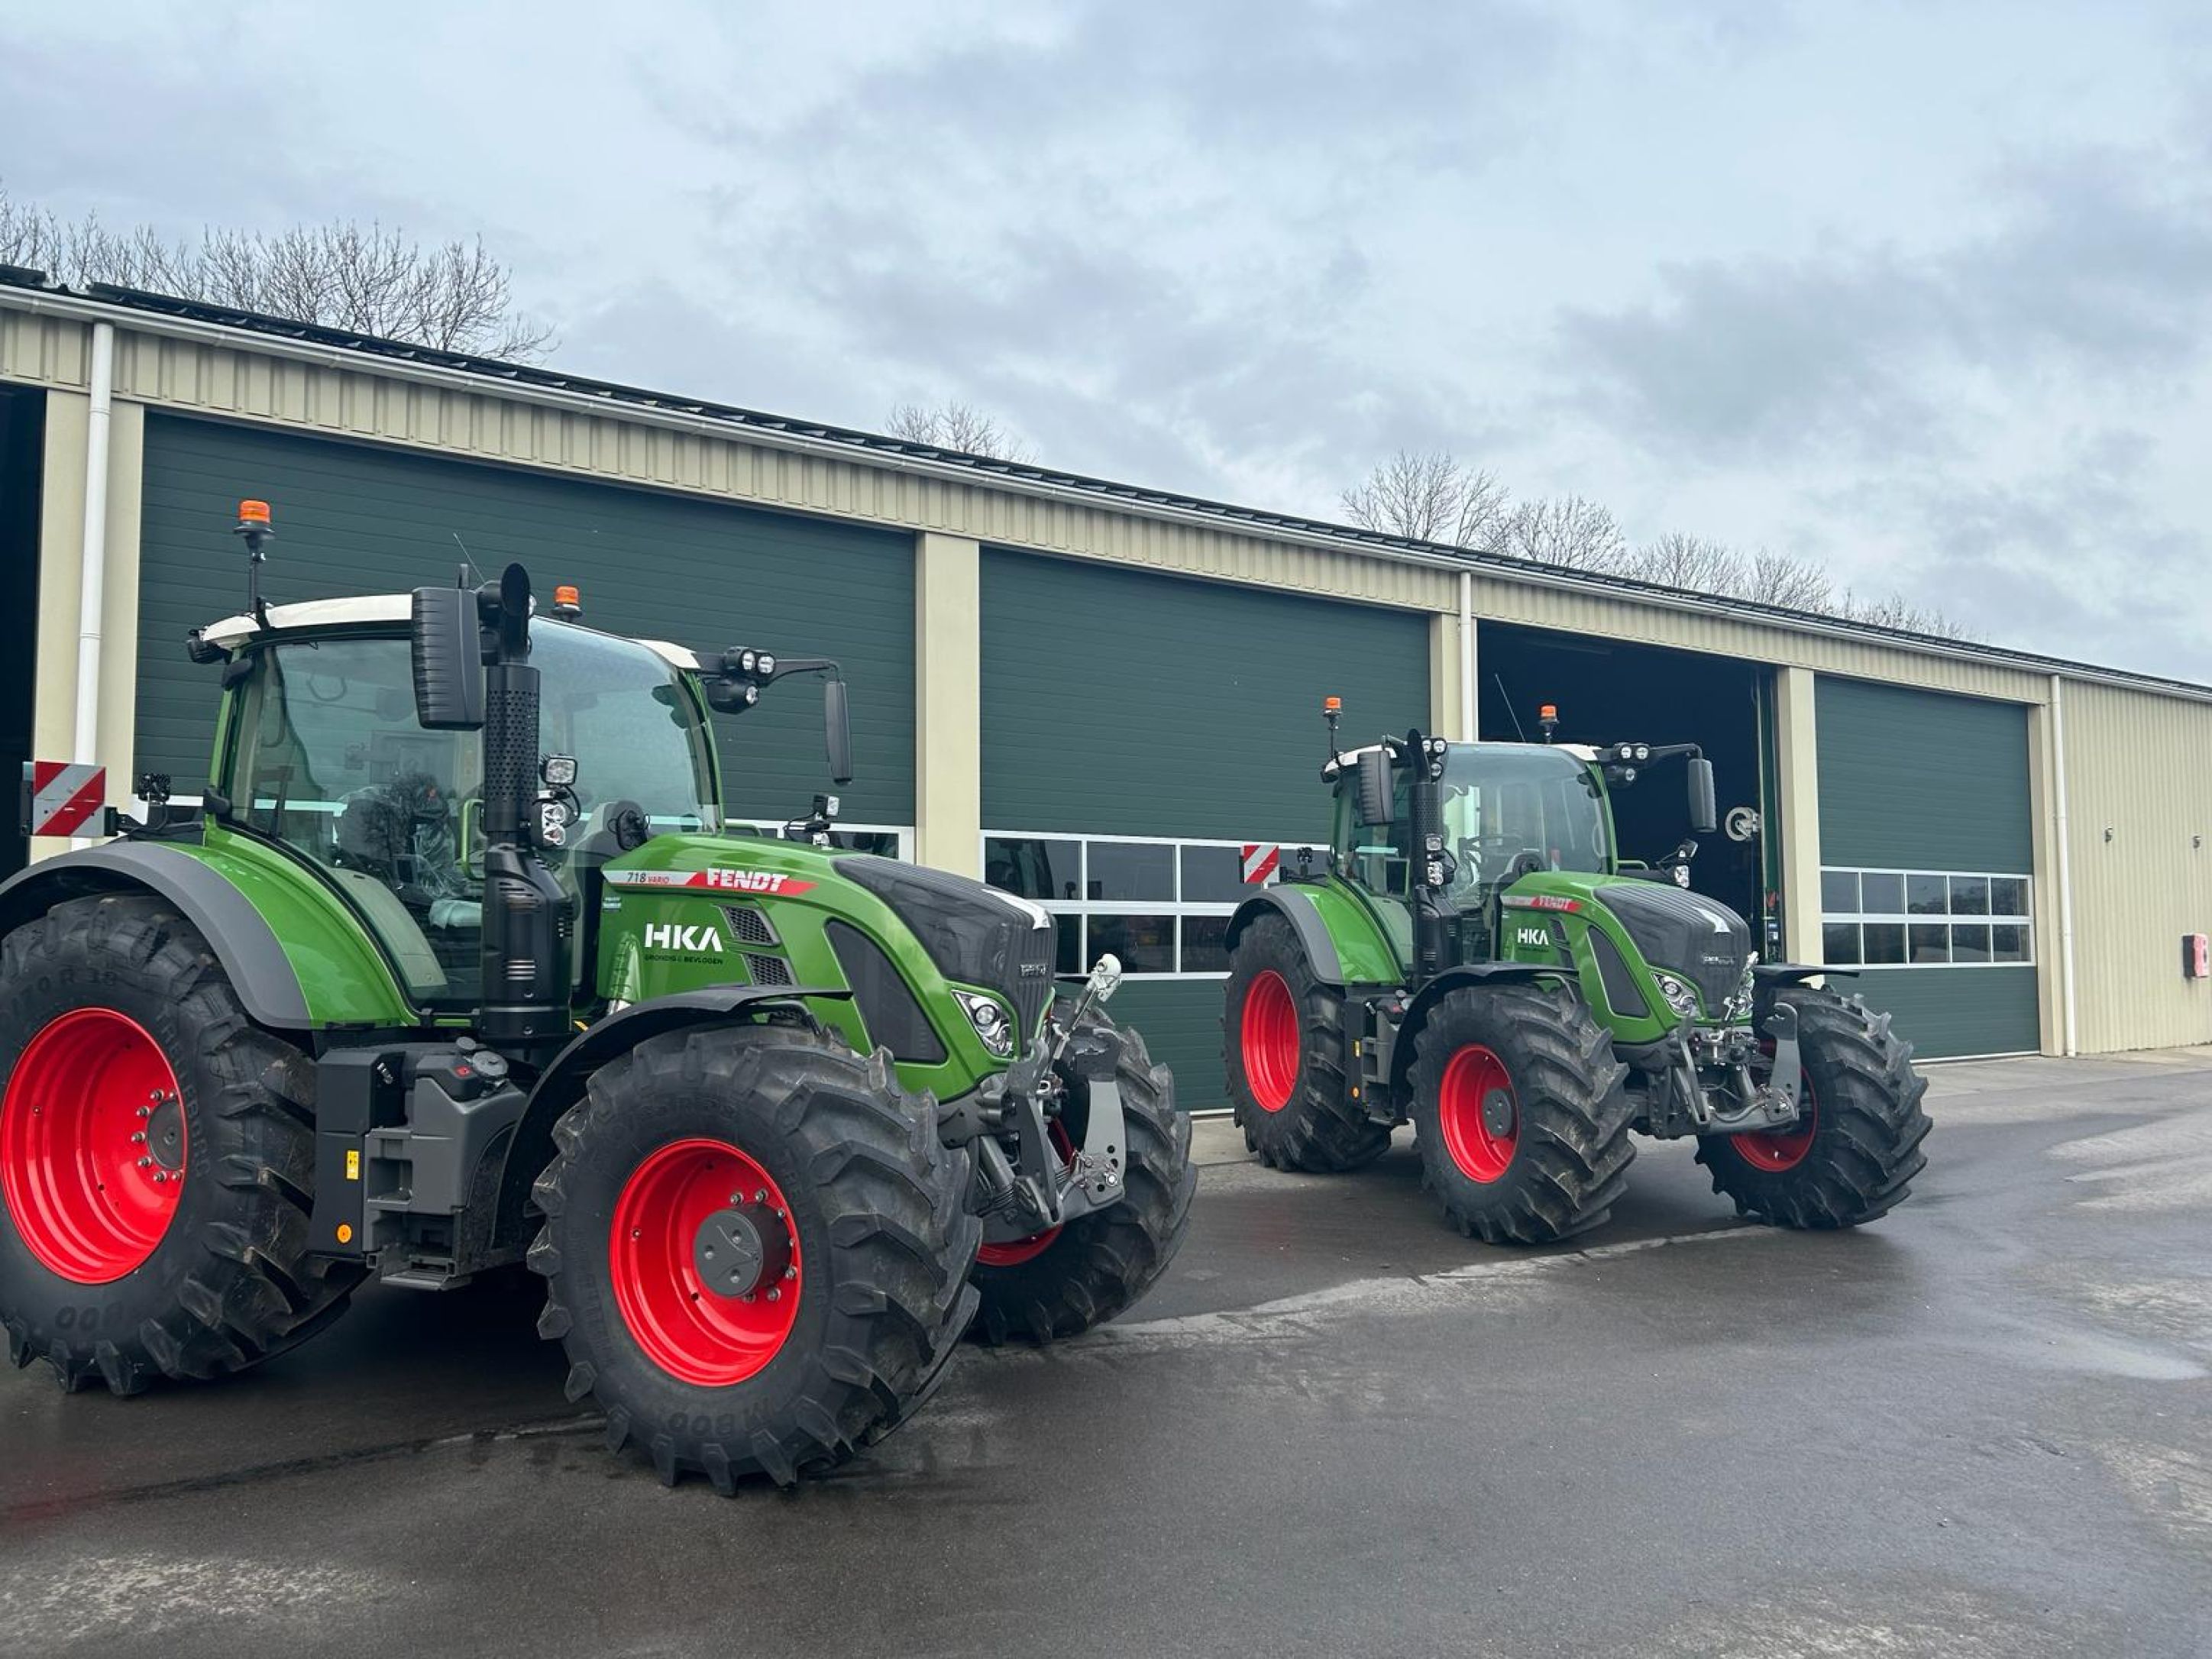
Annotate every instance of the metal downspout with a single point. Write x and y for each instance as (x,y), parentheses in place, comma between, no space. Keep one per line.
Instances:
(2065,869)
(1467,702)
(92,568)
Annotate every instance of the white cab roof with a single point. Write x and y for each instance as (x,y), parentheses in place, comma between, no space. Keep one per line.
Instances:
(377,610)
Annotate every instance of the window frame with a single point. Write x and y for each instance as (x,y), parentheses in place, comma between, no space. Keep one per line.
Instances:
(1177,907)
(1988,919)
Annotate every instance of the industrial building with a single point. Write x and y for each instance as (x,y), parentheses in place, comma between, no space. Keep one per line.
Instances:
(1093,692)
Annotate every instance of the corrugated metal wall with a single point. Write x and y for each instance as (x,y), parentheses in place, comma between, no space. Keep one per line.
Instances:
(351,518)
(2139,807)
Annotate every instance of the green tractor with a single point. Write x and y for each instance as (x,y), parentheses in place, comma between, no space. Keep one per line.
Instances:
(457,966)
(1477,957)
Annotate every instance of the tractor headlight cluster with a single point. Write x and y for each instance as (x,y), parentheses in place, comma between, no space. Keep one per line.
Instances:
(1626,753)
(1679,997)
(990,1021)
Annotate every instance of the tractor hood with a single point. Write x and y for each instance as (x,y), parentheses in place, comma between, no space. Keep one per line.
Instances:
(977,935)
(1685,933)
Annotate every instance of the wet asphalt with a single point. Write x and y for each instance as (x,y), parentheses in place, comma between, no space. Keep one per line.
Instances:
(1982,1426)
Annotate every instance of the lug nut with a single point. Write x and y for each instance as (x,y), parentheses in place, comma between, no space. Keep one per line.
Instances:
(773,1294)
(791,1272)
(760,1196)
(145,1111)
(145,1163)
(139,1139)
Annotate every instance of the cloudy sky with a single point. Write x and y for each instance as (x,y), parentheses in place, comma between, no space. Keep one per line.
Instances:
(1920,290)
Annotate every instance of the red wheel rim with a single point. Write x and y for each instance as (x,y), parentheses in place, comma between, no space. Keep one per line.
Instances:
(694,1333)
(92,1146)
(1013,1252)
(1774,1150)
(1472,1080)
(1270,1040)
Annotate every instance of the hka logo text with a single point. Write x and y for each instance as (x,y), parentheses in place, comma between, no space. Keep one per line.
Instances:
(1539,937)
(674,936)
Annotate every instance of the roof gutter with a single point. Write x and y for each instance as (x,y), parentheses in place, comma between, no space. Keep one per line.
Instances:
(729,428)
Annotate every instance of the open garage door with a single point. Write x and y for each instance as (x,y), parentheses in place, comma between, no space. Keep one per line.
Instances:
(1611,691)
(22,452)
(1140,730)
(1926,855)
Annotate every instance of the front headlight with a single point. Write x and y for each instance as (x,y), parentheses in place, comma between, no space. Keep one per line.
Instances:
(990,1021)
(1679,997)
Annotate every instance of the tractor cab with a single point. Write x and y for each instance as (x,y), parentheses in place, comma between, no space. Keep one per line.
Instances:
(1504,810)
(321,750)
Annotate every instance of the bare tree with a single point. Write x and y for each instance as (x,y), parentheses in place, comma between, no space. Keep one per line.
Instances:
(1689,562)
(958,426)
(1570,531)
(365,279)
(1431,497)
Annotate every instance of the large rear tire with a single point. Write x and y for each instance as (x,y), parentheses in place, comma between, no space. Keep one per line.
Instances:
(156,1156)
(756,1251)
(1063,1281)
(1521,1115)
(1851,1159)
(1283,1047)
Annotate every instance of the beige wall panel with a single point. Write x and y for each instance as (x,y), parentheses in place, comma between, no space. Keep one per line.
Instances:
(2135,769)
(948,703)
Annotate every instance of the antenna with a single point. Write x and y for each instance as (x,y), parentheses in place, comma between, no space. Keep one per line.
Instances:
(1509,709)
(469,559)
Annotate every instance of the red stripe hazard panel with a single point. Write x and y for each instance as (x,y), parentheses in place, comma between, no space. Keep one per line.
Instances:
(61,799)
(1261,859)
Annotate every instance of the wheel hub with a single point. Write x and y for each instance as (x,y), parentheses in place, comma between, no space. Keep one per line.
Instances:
(1497,1113)
(737,1250)
(165,1131)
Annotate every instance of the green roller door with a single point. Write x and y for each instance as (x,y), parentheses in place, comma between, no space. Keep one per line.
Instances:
(1120,704)
(1927,846)
(352,518)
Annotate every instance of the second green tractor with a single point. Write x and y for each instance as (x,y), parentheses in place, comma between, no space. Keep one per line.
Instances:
(1477,957)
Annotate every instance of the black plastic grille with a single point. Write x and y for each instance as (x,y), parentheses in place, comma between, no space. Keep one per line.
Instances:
(749,925)
(769,970)
(1697,937)
(887,1002)
(1032,986)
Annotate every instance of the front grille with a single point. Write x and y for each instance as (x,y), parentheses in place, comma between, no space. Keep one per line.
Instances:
(1032,986)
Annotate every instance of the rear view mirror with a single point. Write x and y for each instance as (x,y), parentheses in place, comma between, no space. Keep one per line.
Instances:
(448,660)
(1703,815)
(1373,786)
(837,731)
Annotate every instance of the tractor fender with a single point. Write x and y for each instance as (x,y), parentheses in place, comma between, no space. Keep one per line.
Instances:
(561,1084)
(1772,976)
(240,937)
(1456,979)
(1305,916)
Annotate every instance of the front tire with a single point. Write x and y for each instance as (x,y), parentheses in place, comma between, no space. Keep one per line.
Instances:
(1856,1159)
(1521,1118)
(156,1156)
(756,1251)
(1066,1279)
(1283,1047)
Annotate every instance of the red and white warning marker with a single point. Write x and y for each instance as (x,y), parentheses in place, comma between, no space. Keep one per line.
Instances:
(1261,860)
(60,798)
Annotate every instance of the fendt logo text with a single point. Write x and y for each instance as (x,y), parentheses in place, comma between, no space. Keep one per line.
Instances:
(753,881)
(675,936)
